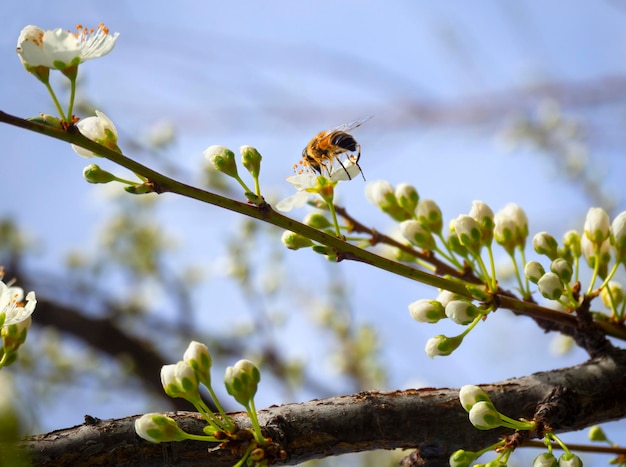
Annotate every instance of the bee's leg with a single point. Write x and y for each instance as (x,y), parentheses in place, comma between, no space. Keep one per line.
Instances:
(344,169)
(356,162)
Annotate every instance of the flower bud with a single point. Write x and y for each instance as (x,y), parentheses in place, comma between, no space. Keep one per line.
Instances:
(158,428)
(99,129)
(427,311)
(442,345)
(484,416)
(545,459)
(571,240)
(461,311)
(483,214)
(550,286)
(429,215)
(596,434)
(533,271)
(569,459)
(223,159)
(407,197)
(545,244)
(462,458)
(241,381)
(597,225)
(417,235)
(445,296)
(511,227)
(251,160)
(618,228)
(591,256)
(380,193)
(94,174)
(317,220)
(612,295)
(198,357)
(562,269)
(469,395)
(295,241)
(469,233)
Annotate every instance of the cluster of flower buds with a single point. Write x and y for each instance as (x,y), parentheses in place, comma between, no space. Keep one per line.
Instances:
(484,416)
(601,243)
(183,379)
(223,160)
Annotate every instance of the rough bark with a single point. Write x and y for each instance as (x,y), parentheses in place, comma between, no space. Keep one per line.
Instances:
(428,420)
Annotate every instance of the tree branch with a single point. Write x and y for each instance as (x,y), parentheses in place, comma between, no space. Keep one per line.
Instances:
(429,420)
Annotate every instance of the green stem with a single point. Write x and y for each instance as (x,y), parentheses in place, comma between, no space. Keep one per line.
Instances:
(56,102)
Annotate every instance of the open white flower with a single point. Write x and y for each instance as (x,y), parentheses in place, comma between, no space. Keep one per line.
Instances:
(12,306)
(307,184)
(60,49)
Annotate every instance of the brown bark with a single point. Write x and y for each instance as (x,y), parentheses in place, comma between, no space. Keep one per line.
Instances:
(429,420)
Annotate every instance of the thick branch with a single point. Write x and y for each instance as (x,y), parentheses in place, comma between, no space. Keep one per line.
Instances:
(429,420)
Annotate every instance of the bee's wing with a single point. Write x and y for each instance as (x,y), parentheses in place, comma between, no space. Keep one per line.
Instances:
(352,125)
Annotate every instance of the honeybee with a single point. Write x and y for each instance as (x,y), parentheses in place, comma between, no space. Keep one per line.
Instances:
(328,146)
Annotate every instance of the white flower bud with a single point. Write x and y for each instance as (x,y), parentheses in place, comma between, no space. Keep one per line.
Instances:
(546,244)
(562,269)
(511,227)
(484,416)
(569,459)
(407,197)
(429,215)
(533,271)
(461,311)
(470,395)
(618,228)
(417,235)
(597,225)
(550,286)
(427,311)
(442,345)
(469,233)
(545,459)
(483,214)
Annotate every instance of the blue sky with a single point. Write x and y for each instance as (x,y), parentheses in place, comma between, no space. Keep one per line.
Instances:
(272,74)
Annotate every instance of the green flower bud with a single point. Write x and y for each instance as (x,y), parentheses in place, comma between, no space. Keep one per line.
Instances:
(407,197)
(469,395)
(295,241)
(461,311)
(462,458)
(241,381)
(612,295)
(158,428)
(427,311)
(223,159)
(317,220)
(545,244)
(562,269)
(251,160)
(198,357)
(550,286)
(484,416)
(596,434)
(94,174)
(429,215)
(417,235)
(534,271)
